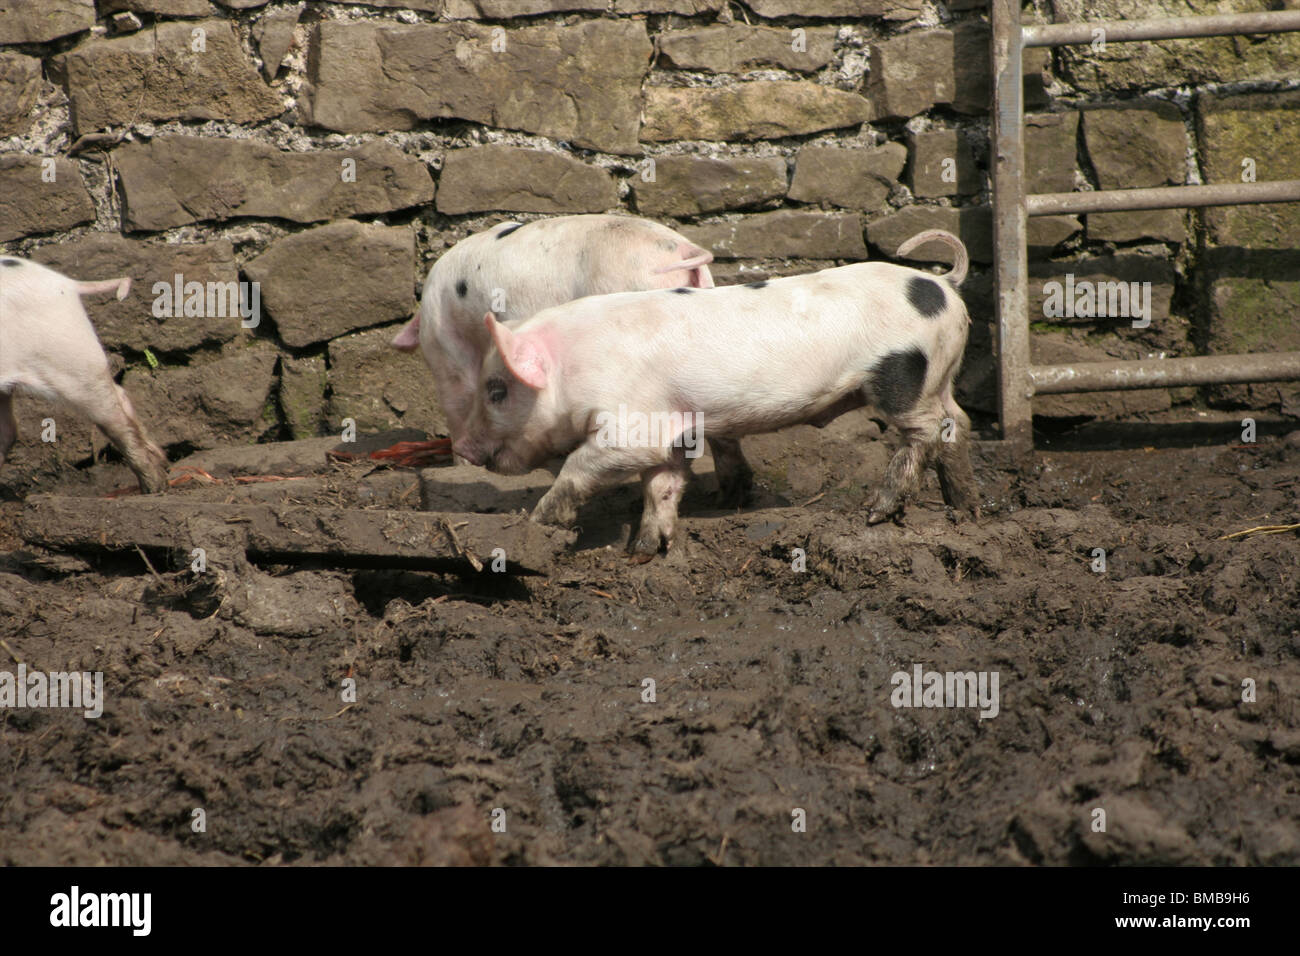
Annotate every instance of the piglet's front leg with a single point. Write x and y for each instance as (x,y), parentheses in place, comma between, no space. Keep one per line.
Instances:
(593,466)
(587,469)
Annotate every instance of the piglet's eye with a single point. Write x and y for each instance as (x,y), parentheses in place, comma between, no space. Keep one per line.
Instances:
(496,390)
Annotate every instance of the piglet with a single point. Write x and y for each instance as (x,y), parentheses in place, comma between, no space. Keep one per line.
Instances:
(49,348)
(726,362)
(517,270)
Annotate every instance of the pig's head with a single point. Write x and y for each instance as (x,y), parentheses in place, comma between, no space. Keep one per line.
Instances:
(454,352)
(512,426)
(456,394)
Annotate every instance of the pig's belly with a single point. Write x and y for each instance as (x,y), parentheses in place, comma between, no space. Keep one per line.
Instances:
(733,406)
(735,421)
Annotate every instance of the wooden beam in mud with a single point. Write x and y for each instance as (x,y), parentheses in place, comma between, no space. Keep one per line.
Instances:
(416,540)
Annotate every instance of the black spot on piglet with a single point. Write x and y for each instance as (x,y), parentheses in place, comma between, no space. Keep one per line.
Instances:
(896,380)
(683,291)
(462,288)
(10,262)
(509,229)
(926,296)
(760,284)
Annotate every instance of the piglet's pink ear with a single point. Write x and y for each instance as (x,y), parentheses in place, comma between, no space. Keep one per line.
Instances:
(523,354)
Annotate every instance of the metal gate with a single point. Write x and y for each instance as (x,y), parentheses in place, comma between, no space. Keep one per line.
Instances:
(1019,380)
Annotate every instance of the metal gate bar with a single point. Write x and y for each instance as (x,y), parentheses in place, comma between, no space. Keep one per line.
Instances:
(1162,373)
(1018,379)
(1163,197)
(1167,28)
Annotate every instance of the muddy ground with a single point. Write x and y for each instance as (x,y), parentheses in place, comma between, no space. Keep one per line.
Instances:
(1120,691)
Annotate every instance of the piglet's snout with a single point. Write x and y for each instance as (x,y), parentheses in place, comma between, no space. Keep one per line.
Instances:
(467,450)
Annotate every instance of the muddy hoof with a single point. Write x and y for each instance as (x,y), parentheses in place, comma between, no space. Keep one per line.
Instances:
(554,517)
(557,510)
(646,545)
(731,496)
(735,488)
(959,513)
(880,513)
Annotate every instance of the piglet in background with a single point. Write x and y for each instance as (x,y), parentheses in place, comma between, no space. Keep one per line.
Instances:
(515,271)
(723,363)
(49,348)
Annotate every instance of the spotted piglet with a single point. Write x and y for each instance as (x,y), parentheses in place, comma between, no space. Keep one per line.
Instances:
(724,363)
(49,348)
(517,270)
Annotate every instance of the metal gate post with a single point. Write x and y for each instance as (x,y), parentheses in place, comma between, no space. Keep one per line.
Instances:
(1009,230)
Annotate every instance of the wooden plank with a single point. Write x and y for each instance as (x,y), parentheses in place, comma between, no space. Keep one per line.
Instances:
(291,533)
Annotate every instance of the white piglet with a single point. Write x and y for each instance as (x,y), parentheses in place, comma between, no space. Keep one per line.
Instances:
(518,270)
(726,362)
(49,348)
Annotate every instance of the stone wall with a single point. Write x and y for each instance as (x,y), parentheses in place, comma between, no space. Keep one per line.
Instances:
(330,151)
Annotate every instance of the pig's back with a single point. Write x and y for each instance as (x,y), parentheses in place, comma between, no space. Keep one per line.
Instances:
(778,317)
(549,262)
(43,325)
(818,332)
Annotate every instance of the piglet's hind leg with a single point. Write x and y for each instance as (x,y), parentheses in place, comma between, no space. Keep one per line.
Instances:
(956,477)
(920,431)
(735,477)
